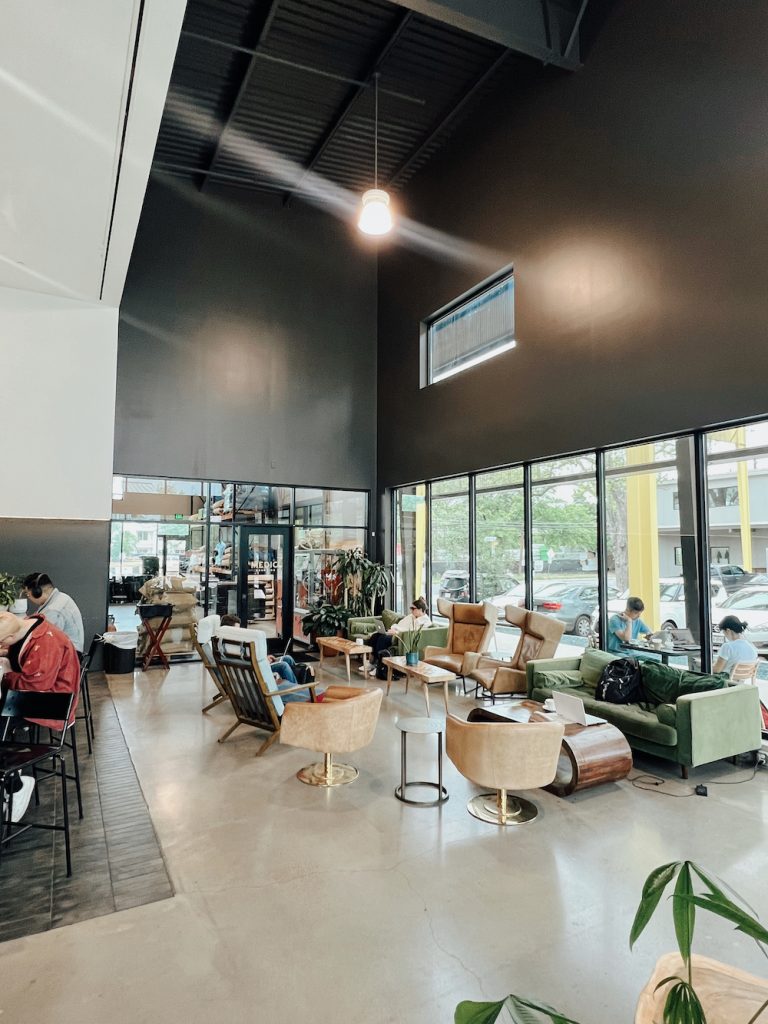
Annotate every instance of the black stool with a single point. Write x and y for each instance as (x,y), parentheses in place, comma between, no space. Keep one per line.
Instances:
(423,726)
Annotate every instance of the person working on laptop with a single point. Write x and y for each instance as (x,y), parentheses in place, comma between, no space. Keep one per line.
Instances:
(625,627)
(283,668)
(736,648)
(417,619)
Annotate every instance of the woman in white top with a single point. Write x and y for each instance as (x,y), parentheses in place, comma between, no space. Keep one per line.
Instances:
(416,620)
(735,648)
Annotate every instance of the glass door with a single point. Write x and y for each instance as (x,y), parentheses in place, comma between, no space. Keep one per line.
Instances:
(263,581)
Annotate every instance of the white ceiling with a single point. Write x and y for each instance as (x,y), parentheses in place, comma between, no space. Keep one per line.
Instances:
(66,72)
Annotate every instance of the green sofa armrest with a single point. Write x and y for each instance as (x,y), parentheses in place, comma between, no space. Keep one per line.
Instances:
(543,665)
(434,636)
(717,723)
(362,625)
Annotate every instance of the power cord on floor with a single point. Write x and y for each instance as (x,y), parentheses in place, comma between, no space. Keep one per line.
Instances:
(651,783)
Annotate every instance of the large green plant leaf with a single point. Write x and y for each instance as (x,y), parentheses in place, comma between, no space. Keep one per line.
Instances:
(654,887)
(727,909)
(682,1005)
(520,1010)
(684,912)
(714,888)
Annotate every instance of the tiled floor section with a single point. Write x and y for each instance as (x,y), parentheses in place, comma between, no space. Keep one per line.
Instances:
(116,858)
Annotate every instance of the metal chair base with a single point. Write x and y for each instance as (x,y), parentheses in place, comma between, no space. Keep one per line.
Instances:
(327,773)
(500,809)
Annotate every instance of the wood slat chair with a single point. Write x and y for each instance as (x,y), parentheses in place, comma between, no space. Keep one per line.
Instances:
(248,682)
(744,672)
(202,636)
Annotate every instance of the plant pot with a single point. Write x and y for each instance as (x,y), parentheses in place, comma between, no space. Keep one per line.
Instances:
(412,658)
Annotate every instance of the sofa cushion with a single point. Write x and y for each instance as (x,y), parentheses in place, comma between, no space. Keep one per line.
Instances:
(592,664)
(667,714)
(631,719)
(389,618)
(663,684)
(559,678)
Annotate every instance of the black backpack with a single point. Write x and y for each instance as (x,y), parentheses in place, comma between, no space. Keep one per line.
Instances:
(621,682)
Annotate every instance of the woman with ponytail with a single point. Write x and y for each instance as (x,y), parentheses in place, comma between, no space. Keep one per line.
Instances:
(736,648)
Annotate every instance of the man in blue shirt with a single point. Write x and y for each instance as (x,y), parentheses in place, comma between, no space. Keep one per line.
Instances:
(58,608)
(626,626)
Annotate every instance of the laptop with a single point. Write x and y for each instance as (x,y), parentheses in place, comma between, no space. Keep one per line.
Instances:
(682,636)
(572,709)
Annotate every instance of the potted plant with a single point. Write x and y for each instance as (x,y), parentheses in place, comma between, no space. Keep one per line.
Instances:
(363,581)
(681,1002)
(10,588)
(409,645)
(324,619)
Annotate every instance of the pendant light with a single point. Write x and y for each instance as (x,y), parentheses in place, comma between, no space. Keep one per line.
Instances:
(375,215)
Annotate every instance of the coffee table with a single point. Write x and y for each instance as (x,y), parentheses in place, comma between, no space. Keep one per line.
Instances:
(348,648)
(590,754)
(426,674)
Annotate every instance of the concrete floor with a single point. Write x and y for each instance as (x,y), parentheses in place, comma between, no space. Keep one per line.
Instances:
(345,906)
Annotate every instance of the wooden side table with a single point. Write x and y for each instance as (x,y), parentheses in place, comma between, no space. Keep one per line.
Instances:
(348,648)
(426,674)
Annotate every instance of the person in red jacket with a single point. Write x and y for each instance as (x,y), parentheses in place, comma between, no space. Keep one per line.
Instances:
(41,658)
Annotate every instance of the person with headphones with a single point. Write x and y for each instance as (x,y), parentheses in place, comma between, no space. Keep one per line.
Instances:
(57,608)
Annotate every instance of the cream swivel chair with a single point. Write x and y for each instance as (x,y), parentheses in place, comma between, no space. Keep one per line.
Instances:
(504,756)
(539,637)
(470,629)
(344,721)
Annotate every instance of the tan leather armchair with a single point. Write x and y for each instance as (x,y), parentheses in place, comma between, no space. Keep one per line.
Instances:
(470,630)
(344,721)
(539,637)
(504,756)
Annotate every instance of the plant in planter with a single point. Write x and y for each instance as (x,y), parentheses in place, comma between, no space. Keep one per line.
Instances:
(10,589)
(324,619)
(682,1004)
(363,581)
(409,645)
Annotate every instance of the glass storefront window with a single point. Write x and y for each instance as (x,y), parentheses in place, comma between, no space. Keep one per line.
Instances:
(410,545)
(316,507)
(449,532)
(651,535)
(564,529)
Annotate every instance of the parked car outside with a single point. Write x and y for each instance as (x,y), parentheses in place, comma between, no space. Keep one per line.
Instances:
(671,602)
(751,606)
(732,577)
(516,595)
(573,604)
(454,585)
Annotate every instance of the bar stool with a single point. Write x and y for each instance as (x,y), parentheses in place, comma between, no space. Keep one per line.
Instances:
(423,727)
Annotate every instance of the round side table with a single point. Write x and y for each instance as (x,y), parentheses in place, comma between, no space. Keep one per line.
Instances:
(424,727)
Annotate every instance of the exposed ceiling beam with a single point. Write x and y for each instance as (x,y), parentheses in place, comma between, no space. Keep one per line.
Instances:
(452,114)
(297,66)
(368,79)
(536,28)
(575,30)
(243,88)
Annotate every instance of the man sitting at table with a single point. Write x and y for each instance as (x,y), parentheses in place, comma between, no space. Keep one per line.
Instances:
(625,627)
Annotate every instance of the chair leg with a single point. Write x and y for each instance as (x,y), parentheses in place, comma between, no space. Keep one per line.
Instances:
(228,732)
(76,764)
(684,771)
(85,696)
(214,703)
(65,815)
(267,744)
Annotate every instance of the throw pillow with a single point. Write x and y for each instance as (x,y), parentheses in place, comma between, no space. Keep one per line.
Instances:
(663,684)
(592,664)
(389,618)
(555,679)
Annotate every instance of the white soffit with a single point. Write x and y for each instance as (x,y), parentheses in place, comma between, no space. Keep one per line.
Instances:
(74,167)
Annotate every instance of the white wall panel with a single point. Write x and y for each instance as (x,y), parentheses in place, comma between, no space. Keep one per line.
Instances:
(58,364)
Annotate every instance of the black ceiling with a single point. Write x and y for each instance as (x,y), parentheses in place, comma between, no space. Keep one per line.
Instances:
(277,94)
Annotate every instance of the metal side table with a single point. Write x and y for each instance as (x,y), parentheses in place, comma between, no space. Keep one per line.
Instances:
(424,727)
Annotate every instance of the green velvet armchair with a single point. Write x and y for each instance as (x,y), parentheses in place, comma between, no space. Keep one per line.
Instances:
(364,626)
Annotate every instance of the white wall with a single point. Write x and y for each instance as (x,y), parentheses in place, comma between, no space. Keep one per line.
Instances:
(58,365)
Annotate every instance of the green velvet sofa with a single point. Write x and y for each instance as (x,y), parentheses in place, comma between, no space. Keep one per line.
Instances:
(696,729)
(436,636)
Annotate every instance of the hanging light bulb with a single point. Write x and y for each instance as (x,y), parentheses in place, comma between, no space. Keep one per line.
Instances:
(375,215)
